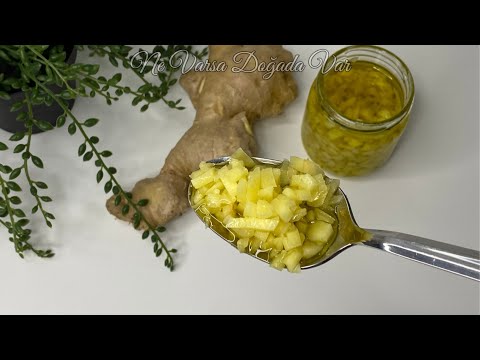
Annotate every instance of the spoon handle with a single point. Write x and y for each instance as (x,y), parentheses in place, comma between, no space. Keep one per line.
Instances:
(455,259)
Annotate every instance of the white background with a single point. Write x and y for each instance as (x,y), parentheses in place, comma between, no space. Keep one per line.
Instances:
(430,188)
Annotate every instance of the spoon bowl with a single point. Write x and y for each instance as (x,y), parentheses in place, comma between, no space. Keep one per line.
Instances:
(451,258)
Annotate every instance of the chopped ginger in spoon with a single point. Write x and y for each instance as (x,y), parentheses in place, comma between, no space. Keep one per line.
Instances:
(285,211)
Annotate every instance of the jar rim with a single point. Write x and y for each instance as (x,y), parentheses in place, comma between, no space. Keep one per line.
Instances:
(358,124)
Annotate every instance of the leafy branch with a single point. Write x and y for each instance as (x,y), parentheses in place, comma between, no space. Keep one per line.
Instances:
(40,66)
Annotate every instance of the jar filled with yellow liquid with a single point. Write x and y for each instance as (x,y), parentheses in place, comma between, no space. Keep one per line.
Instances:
(355,114)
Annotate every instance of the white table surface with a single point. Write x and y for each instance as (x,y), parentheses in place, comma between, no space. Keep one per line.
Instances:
(430,188)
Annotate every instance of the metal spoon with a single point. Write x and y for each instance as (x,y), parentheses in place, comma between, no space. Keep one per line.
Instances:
(451,258)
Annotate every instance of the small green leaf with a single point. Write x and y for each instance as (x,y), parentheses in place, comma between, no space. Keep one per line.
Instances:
(43,125)
(136,223)
(23,222)
(19,148)
(91,122)
(17,136)
(136,100)
(4,95)
(116,190)
(115,79)
(14,174)
(16,106)
(45,198)
(15,200)
(34,209)
(144,108)
(113,61)
(118,200)
(88,156)
(94,140)
(61,121)
(106,153)
(145,234)
(26,155)
(19,213)
(161,229)
(155,247)
(37,161)
(41,185)
(125,209)
(22,116)
(81,149)
(158,252)
(5,169)
(108,186)
(49,224)
(50,216)
(143,202)
(173,251)
(13,186)
(33,190)
(72,129)
(99,176)
(3,147)
(98,163)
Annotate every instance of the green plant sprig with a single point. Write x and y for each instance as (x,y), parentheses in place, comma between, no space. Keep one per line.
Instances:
(112,185)
(34,83)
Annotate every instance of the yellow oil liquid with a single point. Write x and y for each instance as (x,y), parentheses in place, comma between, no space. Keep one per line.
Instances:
(367,93)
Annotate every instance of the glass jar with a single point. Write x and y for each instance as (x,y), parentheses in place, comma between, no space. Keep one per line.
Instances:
(338,137)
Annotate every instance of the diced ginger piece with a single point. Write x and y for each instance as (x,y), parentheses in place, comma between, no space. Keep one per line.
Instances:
(323,216)
(230,186)
(267,178)
(302,226)
(276,175)
(278,243)
(319,231)
(253,223)
(216,201)
(215,188)
(305,182)
(235,163)
(242,191)
(242,244)
(197,198)
(286,173)
(266,193)
(310,217)
(284,207)
(299,214)
(292,239)
(243,233)
(277,262)
(250,209)
(203,179)
(253,185)
(264,210)
(305,166)
(262,235)
(268,243)
(311,248)
(242,155)
(292,259)
(281,228)
(254,245)
(206,165)
(290,193)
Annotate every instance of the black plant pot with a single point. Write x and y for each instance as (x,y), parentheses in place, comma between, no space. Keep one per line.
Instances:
(50,114)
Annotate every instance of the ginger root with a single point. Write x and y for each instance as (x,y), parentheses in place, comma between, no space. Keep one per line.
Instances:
(227,105)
